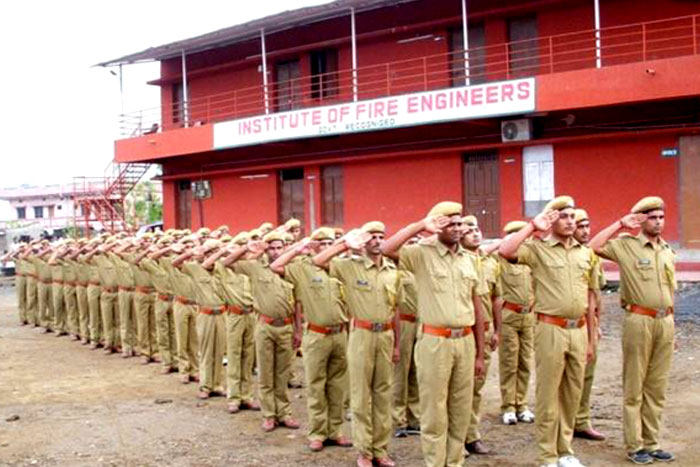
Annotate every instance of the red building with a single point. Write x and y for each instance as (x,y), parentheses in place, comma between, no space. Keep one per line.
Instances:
(371,109)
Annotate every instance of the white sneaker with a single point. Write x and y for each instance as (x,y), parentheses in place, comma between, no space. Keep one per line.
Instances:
(569,461)
(526,416)
(509,418)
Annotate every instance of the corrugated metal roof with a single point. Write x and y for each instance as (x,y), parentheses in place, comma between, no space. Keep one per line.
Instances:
(251,29)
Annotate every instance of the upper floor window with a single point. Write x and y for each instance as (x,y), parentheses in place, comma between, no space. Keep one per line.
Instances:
(332,195)
(178,98)
(21,213)
(474,61)
(523,46)
(538,177)
(38,212)
(324,73)
(287,85)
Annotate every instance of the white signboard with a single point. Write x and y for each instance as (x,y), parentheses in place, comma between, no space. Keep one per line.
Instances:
(467,102)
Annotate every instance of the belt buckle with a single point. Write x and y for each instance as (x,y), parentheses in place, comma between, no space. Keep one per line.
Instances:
(456,333)
(571,324)
(525,310)
(278,322)
(377,327)
(335,329)
(660,314)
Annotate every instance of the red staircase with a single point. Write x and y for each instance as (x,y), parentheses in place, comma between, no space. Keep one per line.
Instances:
(99,201)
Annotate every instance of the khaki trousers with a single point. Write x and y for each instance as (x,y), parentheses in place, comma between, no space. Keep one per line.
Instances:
(94,317)
(647,352)
(59,309)
(446,385)
(325,366)
(406,401)
(21,290)
(45,305)
(515,359)
(127,320)
(473,433)
(110,319)
(371,379)
(70,301)
(273,346)
(212,341)
(83,312)
(583,415)
(32,301)
(560,361)
(145,324)
(185,317)
(165,333)
(240,349)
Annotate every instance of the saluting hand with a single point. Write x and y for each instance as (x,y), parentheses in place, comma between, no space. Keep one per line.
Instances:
(356,239)
(435,224)
(256,246)
(544,220)
(633,221)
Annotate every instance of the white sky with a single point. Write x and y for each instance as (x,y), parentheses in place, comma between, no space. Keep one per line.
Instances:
(58,116)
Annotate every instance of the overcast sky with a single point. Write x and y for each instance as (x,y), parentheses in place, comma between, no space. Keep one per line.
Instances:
(59,115)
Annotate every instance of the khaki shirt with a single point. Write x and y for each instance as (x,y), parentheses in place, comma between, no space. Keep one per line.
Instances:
(125,278)
(647,270)
(446,282)
(490,272)
(206,285)
(142,278)
(158,274)
(182,284)
(28,267)
(273,294)
(406,292)
(516,283)
(106,270)
(321,296)
(82,270)
(93,270)
(70,274)
(370,291)
(42,268)
(562,276)
(57,270)
(235,288)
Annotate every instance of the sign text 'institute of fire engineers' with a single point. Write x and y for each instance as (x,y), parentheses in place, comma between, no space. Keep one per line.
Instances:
(478,101)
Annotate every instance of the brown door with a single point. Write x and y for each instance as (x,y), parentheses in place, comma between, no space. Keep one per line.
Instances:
(689,191)
(291,195)
(288,85)
(482,192)
(183,216)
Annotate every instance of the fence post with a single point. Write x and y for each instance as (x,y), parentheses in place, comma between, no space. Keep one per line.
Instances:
(507,62)
(388,81)
(425,74)
(551,56)
(695,35)
(644,42)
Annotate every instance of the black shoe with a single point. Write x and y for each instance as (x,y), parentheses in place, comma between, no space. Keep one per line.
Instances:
(661,456)
(640,457)
(400,433)
(413,430)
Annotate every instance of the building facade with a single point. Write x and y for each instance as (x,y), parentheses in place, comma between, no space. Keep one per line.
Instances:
(373,109)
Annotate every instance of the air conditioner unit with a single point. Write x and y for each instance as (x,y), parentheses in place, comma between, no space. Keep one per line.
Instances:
(516,130)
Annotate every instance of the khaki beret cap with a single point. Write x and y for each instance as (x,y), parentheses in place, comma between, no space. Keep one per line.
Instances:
(339,231)
(559,203)
(374,227)
(147,235)
(446,208)
(226,238)
(323,233)
(266,226)
(291,223)
(222,228)
(241,238)
(211,244)
(204,231)
(580,215)
(165,240)
(254,233)
(470,220)
(514,226)
(273,236)
(170,231)
(647,204)
(288,238)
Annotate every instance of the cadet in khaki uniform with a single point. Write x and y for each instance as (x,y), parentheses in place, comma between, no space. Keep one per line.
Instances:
(82,272)
(144,300)
(517,337)
(449,352)
(273,333)
(21,290)
(237,292)
(165,324)
(108,295)
(406,414)
(370,292)
(564,277)
(70,282)
(647,286)
(491,303)
(44,285)
(59,309)
(32,286)
(292,229)
(94,292)
(324,341)
(185,315)
(125,283)
(210,319)
(583,427)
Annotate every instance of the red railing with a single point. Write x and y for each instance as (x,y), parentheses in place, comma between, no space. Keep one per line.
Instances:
(667,38)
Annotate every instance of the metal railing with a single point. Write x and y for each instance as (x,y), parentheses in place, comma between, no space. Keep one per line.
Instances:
(640,42)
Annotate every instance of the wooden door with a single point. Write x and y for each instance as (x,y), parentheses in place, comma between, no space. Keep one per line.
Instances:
(288,85)
(291,195)
(482,196)
(183,215)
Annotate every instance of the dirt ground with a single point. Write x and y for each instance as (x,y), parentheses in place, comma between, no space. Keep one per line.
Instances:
(82,408)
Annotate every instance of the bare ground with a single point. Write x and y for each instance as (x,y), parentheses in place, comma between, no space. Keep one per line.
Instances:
(82,408)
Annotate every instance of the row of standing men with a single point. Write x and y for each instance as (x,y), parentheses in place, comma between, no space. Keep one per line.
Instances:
(191,298)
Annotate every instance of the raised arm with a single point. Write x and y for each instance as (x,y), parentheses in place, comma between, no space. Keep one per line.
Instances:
(491,247)
(236,254)
(299,248)
(392,245)
(542,222)
(630,221)
(182,257)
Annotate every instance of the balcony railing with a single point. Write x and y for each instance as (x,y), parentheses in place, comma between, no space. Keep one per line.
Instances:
(640,42)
